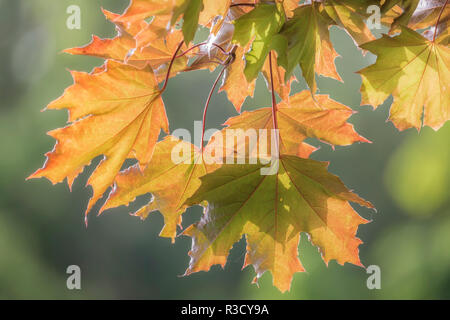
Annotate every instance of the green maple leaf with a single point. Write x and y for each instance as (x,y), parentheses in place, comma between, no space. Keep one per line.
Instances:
(191,16)
(258,26)
(271,211)
(416,72)
(305,40)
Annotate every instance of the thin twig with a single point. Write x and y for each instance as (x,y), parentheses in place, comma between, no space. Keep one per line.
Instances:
(199,45)
(242,5)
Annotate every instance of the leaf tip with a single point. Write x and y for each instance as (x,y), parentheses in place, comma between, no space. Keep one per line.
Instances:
(34,175)
(364,140)
(86,220)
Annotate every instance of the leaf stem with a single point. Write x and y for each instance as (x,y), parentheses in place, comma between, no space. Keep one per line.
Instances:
(274,103)
(242,5)
(230,59)
(207,105)
(439,18)
(175,56)
(199,45)
(220,48)
(170,67)
(190,49)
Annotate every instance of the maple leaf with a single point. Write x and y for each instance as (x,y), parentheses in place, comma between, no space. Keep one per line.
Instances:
(305,40)
(116,111)
(235,84)
(258,27)
(170,181)
(271,211)
(300,118)
(139,10)
(416,72)
(350,15)
(123,48)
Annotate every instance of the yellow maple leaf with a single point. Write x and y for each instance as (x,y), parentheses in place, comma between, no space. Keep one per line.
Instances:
(169,181)
(416,72)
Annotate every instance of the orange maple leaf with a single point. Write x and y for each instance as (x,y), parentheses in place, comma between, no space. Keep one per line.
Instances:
(123,48)
(300,118)
(116,111)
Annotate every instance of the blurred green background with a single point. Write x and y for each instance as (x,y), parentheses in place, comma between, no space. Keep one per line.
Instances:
(406,175)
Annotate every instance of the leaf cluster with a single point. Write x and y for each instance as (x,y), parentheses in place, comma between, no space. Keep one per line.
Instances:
(117,111)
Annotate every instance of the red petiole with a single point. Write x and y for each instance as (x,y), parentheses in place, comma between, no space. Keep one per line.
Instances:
(274,102)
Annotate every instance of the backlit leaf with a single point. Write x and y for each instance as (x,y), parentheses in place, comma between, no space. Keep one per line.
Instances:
(271,211)
(170,181)
(308,45)
(116,112)
(301,118)
(416,72)
(191,17)
(258,27)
